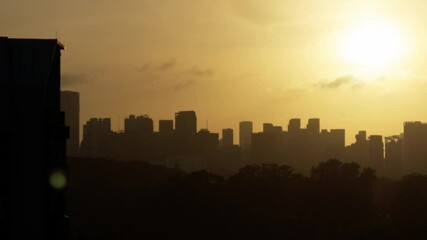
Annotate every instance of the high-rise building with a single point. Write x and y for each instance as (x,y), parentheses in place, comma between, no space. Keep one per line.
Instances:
(270,128)
(361,137)
(140,125)
(415,147)
(376,153)
(206,144)
(70,105)
(337,137)
(97,138)
(186,123)
(294,125)
(267,128)
(313,126)
(245,135)
(264,147)
(166,127)
(333,143)
(227,137)
(33,138)
(393,157)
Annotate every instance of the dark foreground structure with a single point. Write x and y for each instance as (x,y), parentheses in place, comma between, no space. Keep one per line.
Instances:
(32,142)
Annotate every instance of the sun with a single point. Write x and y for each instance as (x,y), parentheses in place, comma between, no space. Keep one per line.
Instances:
(376,44)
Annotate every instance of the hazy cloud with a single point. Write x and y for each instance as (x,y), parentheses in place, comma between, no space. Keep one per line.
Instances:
(259,12)
(145,67)
(166,65)
(183,85)
(195,71)
(72,80)
(347,80)
(160,67)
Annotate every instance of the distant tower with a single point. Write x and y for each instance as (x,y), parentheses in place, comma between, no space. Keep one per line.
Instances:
(337,137)
(376,153)
(227,137)
(245,135)
(140,125)
(70,105)
(186,123)
(361,137)
(313,126)
(415,147)
(166,127)
(267,128)
(294,125)
(393,156)
(96,136)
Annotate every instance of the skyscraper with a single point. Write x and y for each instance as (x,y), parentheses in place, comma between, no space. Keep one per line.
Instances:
(294,125)
(166,127)
(415,147)
(227,137)
(245,135)
(186,123)
(70,105)
(97,137)
(33,164)
(393,156)
(140,125)
(313,126)
(376,153)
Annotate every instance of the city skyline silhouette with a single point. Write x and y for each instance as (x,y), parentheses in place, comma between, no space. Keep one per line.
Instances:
(232,59)
(200,119)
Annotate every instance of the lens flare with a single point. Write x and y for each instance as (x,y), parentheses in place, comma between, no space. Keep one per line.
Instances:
(58,180)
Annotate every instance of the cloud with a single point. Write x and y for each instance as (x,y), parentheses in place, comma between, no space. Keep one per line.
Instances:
(195,71)
(72,80)
(342,81)
(160,67)
(145,67)
(259,12)
(166,65)
(180,86)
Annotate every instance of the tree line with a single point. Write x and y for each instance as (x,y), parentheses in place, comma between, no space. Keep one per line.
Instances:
(109,199)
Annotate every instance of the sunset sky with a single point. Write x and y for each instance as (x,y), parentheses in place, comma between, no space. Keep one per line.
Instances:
(358,65)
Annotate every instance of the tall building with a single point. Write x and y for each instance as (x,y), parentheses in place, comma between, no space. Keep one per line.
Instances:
(267,128)
(359,152)
(264,147)
(361,137)
(33,140)
(186,123)
(294,125)
(206,144)
(415,147)
(97,138)
(313,126)
(70,105)
(393,157)
(376,153)
(245,135)
(140,125)
(227,137)
(333,143)
(337,137)
(166,127)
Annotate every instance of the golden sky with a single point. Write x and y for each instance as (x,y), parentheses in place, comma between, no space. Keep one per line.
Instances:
(233,60)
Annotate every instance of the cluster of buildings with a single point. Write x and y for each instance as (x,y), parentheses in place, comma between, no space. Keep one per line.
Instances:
(179,143)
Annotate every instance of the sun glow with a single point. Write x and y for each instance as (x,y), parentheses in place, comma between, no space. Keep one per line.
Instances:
(373,44)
